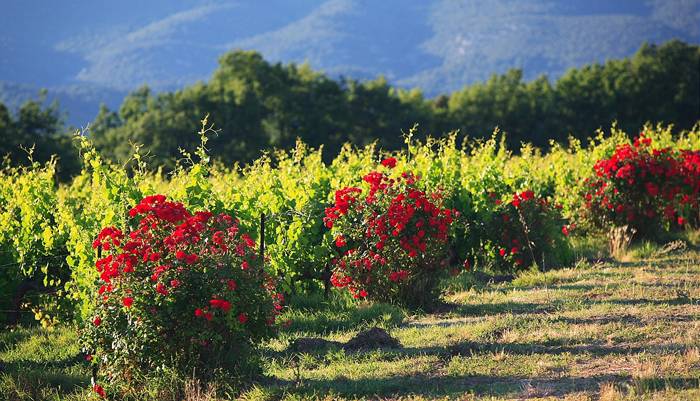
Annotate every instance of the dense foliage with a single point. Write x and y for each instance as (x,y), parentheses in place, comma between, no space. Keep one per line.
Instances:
(392,239)
(56,224)
(177,291)
(259,105)
(32,250)
(36,133)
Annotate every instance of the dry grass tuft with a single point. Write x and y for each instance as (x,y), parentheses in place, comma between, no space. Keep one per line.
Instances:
(609,392)
(194,391)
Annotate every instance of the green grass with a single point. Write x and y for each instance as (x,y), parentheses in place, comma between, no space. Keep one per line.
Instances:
(615,330)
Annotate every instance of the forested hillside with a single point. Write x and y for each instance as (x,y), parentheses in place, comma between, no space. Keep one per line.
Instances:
(258,105)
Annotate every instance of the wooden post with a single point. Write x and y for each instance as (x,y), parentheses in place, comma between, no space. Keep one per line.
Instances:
(262,238)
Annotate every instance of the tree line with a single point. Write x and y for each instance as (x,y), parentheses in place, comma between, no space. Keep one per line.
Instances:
(258,105)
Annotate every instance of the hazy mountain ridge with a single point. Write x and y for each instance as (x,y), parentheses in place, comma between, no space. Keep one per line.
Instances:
(438,46)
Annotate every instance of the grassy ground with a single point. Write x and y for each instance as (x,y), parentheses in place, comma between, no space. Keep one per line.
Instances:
(613,330)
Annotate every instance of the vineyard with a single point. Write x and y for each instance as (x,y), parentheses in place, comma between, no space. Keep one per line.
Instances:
(570,271)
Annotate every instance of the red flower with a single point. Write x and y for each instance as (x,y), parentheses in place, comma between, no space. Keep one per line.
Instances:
(111,233)
(502,252)
(527,195)
(652,189)
(681,221)
(231,284)
(198,312)
(565,231)
(88,357)
(218,238)
(222,304)
(514,251)
(340,241)
(160,288)
(248,241)
(245,265)
(242,317)
(398,275)
(99,390)
(128,301)
(389,162)
(467,265)
(97,321)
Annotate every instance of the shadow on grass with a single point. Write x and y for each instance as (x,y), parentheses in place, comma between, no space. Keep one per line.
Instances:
(655,302)
(25,365)
(515,308)
(664,383)
(10,336)
(602,320)
(26,377)
(552,347)
(478,385)
(326,317)
(444,386)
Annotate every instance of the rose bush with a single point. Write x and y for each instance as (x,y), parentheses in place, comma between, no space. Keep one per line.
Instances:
(643,190)
(522,231)
(392,239)
(177,291)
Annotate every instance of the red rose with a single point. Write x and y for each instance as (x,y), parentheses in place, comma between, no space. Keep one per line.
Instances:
(242,318)
(389,162)
(99,390)
(160,288)
(128,301)
(222,304)
(97,321)
(502,252)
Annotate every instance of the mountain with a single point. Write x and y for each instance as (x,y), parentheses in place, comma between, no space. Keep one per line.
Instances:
(86,52)
(78,103)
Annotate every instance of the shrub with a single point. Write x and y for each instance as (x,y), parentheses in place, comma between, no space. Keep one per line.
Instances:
(392,239)
(32,252)
(527,230)
(178,292)
(641,190)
